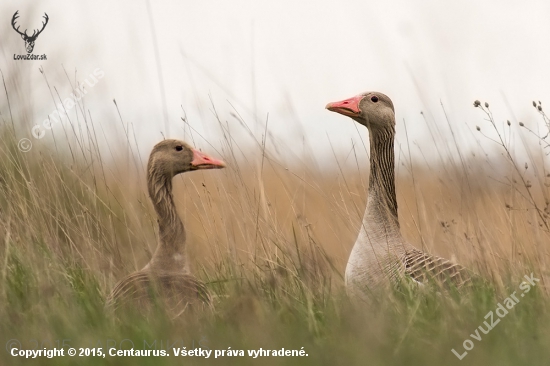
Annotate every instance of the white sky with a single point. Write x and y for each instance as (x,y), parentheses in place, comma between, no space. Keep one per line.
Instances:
(289,58)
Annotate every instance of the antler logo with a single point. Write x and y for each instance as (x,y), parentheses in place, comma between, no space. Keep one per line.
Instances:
(29,40)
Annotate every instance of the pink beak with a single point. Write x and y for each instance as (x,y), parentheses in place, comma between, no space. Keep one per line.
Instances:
(203,161)
(348,107)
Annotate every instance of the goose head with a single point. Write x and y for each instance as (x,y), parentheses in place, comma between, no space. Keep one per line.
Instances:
(373,110)
(173,157)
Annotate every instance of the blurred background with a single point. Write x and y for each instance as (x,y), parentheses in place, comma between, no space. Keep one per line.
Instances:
(167,59)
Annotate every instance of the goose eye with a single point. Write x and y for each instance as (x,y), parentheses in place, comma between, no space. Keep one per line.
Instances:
(179,148)
(374,98)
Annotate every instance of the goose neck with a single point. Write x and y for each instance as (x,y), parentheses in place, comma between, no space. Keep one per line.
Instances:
(170,254)
(382,201)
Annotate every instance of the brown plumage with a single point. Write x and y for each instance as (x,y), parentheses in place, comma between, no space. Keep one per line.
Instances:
(166,280)
(381,255)
(423,267)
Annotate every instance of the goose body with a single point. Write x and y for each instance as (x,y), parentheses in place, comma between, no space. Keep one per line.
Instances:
(166,279)
(380,255)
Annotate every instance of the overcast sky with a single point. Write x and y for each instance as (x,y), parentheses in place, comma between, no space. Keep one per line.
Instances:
(288,58)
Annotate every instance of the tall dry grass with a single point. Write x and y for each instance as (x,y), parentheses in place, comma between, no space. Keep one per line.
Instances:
(271,241)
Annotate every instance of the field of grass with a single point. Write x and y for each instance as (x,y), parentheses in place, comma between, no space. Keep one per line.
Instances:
(271,241)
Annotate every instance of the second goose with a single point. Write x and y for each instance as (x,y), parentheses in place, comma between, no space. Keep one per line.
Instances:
(381,255)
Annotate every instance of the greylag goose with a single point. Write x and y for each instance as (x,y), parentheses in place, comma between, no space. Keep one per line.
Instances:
(381,256)
(166,280)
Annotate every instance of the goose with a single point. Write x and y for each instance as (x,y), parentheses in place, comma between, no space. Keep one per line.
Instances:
(166,278)
(381,257)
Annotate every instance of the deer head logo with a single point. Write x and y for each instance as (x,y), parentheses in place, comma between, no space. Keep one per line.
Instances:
(29,40)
